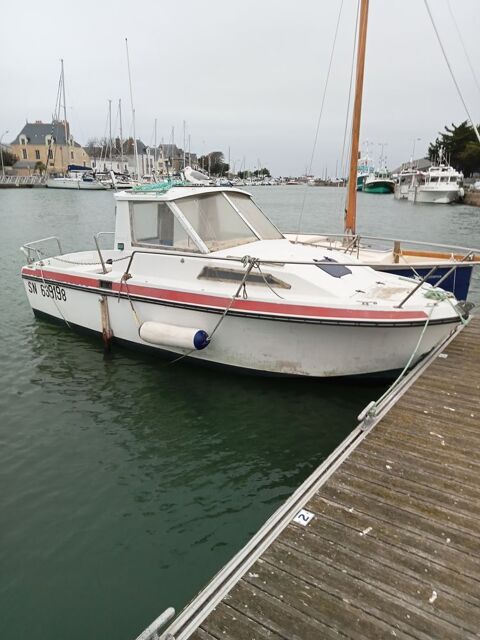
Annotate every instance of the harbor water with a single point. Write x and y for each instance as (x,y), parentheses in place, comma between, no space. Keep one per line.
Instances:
(128,482)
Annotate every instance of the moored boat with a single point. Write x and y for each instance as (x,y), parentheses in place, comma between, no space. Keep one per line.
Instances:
(380,181)
(364,169)
(403,180)
(79,178)
(441,184)
(209,277)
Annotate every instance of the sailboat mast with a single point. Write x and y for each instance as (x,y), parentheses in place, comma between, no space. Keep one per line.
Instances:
(184,144)
(155,144)
(110,131)
(135,150)
(121,131)
(351,211)
(67,144)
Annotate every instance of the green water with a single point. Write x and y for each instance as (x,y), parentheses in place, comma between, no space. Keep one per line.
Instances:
(126,482)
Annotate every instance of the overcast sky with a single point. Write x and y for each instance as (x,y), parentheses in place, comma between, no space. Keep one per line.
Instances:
(248,74)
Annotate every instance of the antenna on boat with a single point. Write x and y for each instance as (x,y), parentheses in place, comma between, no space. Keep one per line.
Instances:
(135,150)
(351,210)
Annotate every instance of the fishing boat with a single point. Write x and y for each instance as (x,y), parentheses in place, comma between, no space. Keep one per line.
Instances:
(441,184)
(403,180)
(380,181)
(201,272)
(365,168)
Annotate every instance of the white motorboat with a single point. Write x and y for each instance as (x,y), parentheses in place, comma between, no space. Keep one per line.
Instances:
(441,184)
(200,272)
(403,181)
(80,178)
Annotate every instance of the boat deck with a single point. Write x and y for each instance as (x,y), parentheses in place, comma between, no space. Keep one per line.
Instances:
(393,547)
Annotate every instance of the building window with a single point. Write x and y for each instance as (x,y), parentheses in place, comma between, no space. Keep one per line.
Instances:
(23,140)
(50,154)
(71,155)
(37,154)
(24,153)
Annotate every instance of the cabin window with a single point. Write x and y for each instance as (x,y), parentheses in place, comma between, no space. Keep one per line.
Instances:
(254,216)
(216,221)
(155,225)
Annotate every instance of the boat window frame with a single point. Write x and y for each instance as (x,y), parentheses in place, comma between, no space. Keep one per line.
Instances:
(214,193)
(254,231)
(201,246)
(244,218)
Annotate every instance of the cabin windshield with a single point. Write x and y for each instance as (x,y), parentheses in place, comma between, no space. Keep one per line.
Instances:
(254,216)
(216,221)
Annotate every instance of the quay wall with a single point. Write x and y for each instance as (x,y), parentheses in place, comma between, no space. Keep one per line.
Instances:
(472,198)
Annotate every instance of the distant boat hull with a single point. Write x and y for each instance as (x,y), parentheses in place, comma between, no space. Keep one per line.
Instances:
(77,184)
(434,196)
(379,186)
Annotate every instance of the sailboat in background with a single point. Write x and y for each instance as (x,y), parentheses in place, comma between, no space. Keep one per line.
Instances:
(77,177)
(451,268)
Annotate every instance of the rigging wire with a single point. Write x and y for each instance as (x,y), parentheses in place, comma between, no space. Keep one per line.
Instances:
(451,70)
(463,46)
(319,117)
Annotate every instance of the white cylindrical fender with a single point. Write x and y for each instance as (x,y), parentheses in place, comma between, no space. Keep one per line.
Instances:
(169,335)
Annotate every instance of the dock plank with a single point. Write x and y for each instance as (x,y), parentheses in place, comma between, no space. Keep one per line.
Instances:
(393,548)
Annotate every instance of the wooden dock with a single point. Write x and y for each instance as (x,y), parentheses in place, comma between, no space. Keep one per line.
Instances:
(393,547)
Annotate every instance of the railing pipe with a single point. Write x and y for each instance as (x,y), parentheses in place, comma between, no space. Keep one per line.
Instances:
(422,282)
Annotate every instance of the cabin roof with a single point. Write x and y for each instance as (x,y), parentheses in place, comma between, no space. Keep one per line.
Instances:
(174,193)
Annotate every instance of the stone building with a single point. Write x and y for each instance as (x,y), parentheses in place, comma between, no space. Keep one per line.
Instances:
(47,144)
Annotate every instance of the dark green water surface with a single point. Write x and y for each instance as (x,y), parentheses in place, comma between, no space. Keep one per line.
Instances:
(126,483)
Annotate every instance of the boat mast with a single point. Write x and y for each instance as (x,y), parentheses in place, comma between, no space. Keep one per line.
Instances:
(135,150)
(351,210)
(155,152)
(110,131)
(184,145)
(67,143)
(121,133)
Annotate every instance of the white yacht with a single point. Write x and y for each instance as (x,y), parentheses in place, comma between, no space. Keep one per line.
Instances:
(79,178)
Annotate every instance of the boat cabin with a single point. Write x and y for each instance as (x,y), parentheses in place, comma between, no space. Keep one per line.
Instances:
(189,220)
(443,173)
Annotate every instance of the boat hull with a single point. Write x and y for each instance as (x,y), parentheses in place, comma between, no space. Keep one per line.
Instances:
(379,186)
(400,192)
(419,195)
(271,345)
(68,183)
(458,282)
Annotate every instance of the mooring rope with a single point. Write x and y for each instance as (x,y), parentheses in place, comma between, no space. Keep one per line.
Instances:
(246,260)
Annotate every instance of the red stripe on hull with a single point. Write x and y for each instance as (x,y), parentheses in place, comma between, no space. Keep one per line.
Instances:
(220,302)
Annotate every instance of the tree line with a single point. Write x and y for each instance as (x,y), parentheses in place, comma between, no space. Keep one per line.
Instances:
(460,147)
